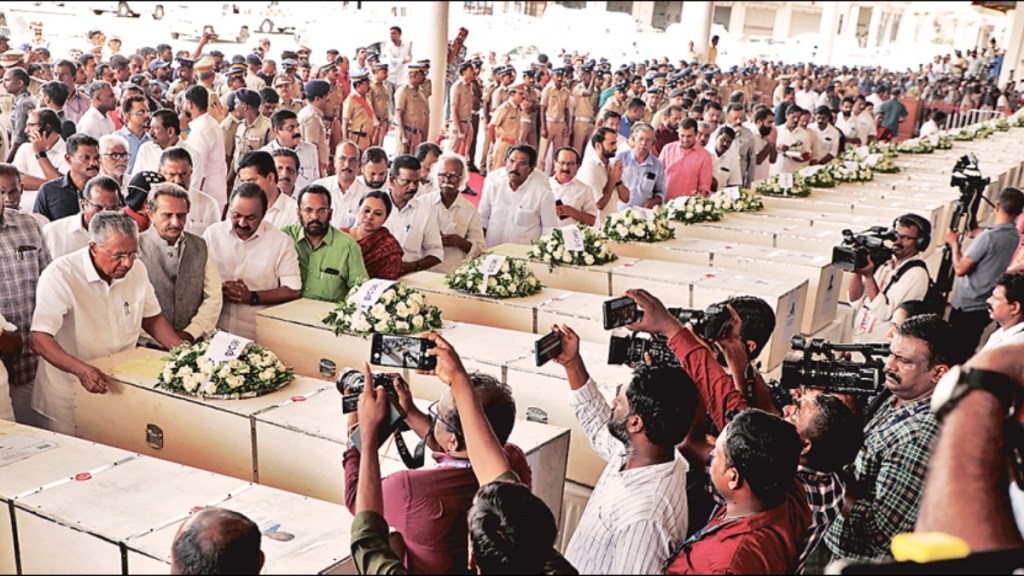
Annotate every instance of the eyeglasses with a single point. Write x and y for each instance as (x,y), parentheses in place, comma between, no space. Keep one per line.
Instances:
(435,418)
(448,176)
(317,211)
(131,256)
(139,113)
(117,155)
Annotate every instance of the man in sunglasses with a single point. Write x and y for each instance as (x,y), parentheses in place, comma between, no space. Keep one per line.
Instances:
(428,506)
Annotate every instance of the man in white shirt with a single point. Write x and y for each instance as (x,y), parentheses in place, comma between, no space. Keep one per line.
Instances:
(375,168)
(412,221)
(603,175)
(259,168)
(180,266)
(43,159)
(165,131)
(848,123)
(95,121)
(398,54)
(827,137)
(806,97)
(793,144)
(458,221)
(207,139)
(346,188)
(285,125)
(574,200)
(1006,306)
(876,290)
(71,233)
(932,126)
(865,113)
(727,170)
(517,205)
(257,262)
(176,167)
(637,515)
(91,303)
(765,153)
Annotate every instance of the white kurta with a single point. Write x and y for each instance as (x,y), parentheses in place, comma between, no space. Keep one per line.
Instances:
(517,216)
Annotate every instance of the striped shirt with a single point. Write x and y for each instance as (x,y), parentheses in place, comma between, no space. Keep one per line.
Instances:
(635,518)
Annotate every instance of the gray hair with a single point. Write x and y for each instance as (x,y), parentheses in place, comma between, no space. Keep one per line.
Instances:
(703,125)
(105,223)
(169,189)
(640,127)
(452,157)
(97,86)
(108,141)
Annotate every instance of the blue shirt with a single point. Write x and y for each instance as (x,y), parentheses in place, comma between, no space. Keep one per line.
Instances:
(133,145)
(625,126)
(642,187)
(991,251)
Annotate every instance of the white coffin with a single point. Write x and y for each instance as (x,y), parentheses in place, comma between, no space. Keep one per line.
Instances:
(214,435)
(583,313)
(593,279)
(682,250)
(731,230)
(320,534)
(668,281)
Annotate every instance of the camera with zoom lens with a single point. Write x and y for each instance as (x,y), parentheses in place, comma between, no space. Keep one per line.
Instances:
(710,324)
(856,247)
(967,174)
(833,374)
(351,384)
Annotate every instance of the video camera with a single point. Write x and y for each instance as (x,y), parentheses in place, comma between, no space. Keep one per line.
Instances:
(856,247)
(967,177)
(831,374)
(710,324)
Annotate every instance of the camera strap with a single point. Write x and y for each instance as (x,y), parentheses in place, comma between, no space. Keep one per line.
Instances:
(910,265)
(412,460)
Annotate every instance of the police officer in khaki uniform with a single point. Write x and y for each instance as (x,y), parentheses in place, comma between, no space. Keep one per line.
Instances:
(412,111)
(504,128)
(618,100)
(186,78)
(381,100)
(428,86)
(554,116)
(531,102)
(585,98)
(311,119)
(478,104)
(229,127)
(357,118)
(461,105)
(254,130)
(501,78)
(284,86)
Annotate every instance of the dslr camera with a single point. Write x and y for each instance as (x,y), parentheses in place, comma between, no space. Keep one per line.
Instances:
(711,324)
(353,381)
(853,253)
(831,374)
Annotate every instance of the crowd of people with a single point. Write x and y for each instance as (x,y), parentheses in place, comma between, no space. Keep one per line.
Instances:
(155,197)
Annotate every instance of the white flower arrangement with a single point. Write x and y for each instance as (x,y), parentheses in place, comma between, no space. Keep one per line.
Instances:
(886,149)
(823,177)
(945,142)
(255,372)
(551,249)
(400,310)
(1018,119)
(885,165)
(696,209)
(859,172)
(770,187)
(1002,125)
(636,225)
(984,131)
(916,146)
(964,135)
(513,280)
(746,202)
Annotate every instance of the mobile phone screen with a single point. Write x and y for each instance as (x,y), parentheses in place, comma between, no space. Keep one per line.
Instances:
(547,348)
(401,352)
(620,312)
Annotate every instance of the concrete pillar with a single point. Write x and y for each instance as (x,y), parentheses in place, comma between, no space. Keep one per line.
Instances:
(700,14)
(1014,49)
(598,6)
(783,20)
(643,12)
(850,25)
(876,19)
(959,33)
(737,18)
(827,32)
(435,19)
(909,23)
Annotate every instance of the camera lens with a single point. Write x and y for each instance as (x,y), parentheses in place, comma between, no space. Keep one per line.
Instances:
(351,380)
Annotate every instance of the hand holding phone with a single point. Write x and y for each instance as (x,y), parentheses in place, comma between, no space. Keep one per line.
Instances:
(547,348)
(619,312)
(402,352)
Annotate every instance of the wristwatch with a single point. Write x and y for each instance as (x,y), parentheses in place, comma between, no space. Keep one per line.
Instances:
(959,382)
(40,155)
(254,298)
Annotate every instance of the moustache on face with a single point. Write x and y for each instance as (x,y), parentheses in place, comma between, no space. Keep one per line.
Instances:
(894,377)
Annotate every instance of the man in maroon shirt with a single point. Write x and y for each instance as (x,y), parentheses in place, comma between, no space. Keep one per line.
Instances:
(428,506)
(668,132)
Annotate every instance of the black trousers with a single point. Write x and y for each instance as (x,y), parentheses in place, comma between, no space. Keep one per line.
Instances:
(968,327)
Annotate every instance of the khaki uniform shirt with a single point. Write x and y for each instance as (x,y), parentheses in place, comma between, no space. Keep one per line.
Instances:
(506,121)
(335,102)
(251,137)
(585,104)
(414,107)
(311,124)
(461,100)
(613,104)
(555,102)
(499,97)
(380,100)
(358,118)
(229,126)
(295,106)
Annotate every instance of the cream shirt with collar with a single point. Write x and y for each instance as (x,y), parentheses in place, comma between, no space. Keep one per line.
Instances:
(345,205)
(283,212)
(578,195)
(517,216)
(416,229)
(463,220)
(26,163)
(65,235)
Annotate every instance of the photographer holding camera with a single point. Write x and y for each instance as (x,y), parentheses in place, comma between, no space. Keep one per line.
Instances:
(637,514)
(829,437)
(882,286)
(428,506)
(510,530)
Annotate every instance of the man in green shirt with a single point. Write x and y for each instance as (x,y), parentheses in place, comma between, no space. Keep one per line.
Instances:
(330,260)
(892,113)
(510,530)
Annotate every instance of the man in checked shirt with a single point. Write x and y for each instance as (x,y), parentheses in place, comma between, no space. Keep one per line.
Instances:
(829,434)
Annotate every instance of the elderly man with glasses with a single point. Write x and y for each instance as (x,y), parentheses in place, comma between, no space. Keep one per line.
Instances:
(91,303)
(412,222)
(428,506)
(462,234)
(642,171)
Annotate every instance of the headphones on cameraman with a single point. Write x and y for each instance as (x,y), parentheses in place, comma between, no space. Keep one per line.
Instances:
(924,229)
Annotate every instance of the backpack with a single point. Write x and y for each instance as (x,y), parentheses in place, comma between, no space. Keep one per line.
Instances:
(933,299)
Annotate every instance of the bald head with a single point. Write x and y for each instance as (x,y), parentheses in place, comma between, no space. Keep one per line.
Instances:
(217,541)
